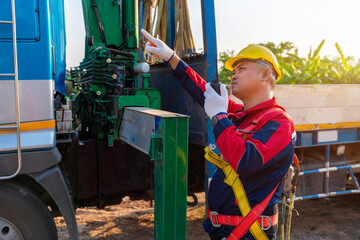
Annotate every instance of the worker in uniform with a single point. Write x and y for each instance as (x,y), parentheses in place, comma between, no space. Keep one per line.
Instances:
(256,138)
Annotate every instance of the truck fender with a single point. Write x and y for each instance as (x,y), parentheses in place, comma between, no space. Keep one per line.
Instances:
(53,181)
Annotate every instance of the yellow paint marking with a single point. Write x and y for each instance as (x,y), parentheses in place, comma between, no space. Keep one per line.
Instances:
(32,126)
(327,126)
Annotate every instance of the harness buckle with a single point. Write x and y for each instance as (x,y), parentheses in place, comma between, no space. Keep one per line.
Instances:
(262,222)
(213,215)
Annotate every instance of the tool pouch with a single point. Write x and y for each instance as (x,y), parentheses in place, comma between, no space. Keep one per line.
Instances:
(286,182)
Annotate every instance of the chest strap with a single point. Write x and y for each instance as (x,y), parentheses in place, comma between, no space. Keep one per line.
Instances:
(249,215)
(266,222)
(250,128)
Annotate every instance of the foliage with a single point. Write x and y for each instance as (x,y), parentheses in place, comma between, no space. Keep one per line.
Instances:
(304,70)
(224,74)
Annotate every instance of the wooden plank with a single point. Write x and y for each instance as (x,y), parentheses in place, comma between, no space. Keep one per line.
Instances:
(318,96)
(321,105)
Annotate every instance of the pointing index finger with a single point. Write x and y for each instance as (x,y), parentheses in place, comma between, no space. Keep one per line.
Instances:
(148,37)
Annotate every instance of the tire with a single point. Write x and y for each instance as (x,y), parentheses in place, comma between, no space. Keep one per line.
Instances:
(23,215)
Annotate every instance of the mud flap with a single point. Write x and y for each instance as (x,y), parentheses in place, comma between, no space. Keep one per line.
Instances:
(53,181)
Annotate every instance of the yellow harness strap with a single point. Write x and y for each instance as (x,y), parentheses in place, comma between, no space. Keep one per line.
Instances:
(232,179)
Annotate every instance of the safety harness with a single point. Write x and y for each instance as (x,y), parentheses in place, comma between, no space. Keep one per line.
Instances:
(251,217)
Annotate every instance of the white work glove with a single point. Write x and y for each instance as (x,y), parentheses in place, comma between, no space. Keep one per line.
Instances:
(161,50)
(214,103)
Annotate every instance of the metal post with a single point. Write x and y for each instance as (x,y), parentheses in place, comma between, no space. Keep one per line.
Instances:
(131,12)
(171,181)
(141,20)
(351,172)
(209,33)
(210,62)
(327,173)
(170,23)
(164,136)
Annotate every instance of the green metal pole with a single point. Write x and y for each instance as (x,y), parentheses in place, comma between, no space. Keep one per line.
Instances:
(109,16)
(171,180)
(164,136)
(130,18)
(146,80)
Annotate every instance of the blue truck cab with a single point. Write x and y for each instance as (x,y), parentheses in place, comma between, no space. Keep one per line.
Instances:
(40,59)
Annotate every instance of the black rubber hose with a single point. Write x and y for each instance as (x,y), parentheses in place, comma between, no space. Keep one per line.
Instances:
(127,54)
(101,28)
(126,39)
(195,199)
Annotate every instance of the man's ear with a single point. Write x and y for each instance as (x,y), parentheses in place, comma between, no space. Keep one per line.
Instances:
(266,74)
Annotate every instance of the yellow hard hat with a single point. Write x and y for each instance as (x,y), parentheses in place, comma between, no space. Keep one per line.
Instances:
(255,52)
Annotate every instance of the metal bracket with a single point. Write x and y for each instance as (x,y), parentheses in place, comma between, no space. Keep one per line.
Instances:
(155,147)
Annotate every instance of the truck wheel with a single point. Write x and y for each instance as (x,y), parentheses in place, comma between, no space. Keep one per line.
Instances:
(23,215)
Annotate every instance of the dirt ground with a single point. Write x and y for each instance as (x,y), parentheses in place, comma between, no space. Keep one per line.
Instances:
(318,219)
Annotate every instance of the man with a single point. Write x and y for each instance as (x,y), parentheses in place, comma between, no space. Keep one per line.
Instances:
(256,137)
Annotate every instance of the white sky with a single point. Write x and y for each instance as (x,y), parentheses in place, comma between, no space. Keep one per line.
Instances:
(241,22)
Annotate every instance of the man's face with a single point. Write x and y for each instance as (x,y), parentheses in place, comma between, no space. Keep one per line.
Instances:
(246,79)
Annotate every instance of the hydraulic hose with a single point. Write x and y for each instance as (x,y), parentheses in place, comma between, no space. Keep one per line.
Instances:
(126,39)
(101,28)
(127,54)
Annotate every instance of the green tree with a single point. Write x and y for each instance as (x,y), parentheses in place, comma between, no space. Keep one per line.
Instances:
(304,70)
(224,74)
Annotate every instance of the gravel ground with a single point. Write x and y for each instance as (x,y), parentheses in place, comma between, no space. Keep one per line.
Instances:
(318,219)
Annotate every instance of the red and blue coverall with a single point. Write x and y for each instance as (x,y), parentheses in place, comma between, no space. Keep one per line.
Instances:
(261,160)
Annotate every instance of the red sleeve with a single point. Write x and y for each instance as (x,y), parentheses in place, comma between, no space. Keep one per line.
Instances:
(195,85)
(258,148)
